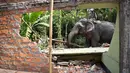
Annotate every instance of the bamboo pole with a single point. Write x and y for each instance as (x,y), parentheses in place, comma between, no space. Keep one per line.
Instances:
(50,36)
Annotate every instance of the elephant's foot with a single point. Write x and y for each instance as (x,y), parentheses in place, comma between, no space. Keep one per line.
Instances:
(105,45)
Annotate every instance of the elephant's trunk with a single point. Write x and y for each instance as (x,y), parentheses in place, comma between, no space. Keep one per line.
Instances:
(74,31)
(71,35)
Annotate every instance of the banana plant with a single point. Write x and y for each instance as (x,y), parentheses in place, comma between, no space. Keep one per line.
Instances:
(33,25)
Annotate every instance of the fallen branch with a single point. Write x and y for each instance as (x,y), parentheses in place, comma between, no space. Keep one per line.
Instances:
(61,41)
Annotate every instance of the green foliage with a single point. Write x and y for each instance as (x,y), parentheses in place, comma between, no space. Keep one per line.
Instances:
(69,18)
(34,25)
(63,22)
(106,14)
(80,40)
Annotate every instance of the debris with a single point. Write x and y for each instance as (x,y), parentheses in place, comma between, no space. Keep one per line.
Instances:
(78,66)
(63,63)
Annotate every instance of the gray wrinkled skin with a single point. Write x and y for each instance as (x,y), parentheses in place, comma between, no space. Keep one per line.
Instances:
(96,32)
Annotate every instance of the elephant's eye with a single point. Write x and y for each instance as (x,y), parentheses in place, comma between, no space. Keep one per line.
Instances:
(89,23)
(83,22)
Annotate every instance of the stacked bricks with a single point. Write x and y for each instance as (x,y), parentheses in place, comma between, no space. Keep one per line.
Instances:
(16,52)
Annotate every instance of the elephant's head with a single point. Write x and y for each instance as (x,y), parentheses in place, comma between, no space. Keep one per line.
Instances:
(83,26)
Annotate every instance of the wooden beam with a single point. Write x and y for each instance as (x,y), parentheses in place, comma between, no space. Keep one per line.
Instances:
(22,4)
(88,1)
(98,5)
(63,51)
(124,29)
(87,57)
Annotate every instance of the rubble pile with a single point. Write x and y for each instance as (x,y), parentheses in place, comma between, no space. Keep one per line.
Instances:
(79,67)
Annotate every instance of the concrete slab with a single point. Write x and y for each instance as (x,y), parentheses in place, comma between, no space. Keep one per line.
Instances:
(78,50)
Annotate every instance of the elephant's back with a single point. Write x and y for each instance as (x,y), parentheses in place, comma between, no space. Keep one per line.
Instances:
(107,26)
(106,31)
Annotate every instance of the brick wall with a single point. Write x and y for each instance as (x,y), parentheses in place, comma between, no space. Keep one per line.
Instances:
(16,52)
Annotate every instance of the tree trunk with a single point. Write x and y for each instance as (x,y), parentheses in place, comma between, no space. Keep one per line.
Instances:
(124,36)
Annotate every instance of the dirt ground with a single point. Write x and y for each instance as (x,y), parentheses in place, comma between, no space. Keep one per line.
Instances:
(79,67)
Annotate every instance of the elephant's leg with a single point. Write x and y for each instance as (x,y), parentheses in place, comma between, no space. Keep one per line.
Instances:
(95,40)
(88,43)
(94,43)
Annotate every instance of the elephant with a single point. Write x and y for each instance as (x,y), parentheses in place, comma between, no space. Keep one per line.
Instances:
(95,31)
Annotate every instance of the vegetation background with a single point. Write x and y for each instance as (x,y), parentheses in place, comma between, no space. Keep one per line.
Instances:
(35,25)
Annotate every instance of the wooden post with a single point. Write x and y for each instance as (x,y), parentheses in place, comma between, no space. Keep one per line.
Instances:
(50,36)
(124,36)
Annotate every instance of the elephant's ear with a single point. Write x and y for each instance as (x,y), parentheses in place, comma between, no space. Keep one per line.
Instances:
(90,26)
(79,24)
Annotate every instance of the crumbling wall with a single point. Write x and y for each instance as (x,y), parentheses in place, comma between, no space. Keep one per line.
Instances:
(16,52)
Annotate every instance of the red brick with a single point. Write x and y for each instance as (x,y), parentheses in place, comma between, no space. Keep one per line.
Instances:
(37,55)
(11,41)
(25,64)
(12,12)
(5,31)
(43,55)
(6,58)
(5,35)
(16,54)
(3,18)
(34,69)
(18,16)
(32,44)
(22,54)
(28,59)
(2,27)
(25,50)
(33,64)
(12,67)
(9,63)
(24,40)
(12,22)
(1,62)
(9,45)
(29,55)
(15,35)
(19,59)
(6,54)
(19,40)
(42,65)
(4,22)
(20,68)
(11,49)
(21,10)
(36,60)
(17,64)
(16,26)
(5,13)
(34,49)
